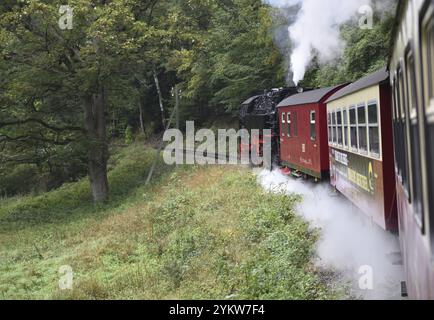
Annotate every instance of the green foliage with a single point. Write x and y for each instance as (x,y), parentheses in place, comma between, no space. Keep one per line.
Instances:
(203,233)
(366,52)
(129,135)
(219,53)
(21,179)
(235,57)
(128,170)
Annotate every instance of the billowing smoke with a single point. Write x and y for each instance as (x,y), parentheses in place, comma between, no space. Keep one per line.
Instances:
(317,29)
(349,242)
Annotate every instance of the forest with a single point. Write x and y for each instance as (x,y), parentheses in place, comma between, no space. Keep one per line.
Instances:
(65,95)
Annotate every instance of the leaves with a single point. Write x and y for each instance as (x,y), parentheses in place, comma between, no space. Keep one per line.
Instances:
(217,52)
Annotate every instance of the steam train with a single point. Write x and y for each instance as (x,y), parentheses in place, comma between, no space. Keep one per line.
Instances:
(373,140)
(260,112)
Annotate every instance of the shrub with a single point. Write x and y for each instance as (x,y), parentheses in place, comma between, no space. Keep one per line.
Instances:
(129,135)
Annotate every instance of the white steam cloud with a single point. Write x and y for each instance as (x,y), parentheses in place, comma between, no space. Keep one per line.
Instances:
(349,241)
(317,27)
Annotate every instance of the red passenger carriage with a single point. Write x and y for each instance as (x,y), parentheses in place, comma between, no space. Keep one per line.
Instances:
(303,132)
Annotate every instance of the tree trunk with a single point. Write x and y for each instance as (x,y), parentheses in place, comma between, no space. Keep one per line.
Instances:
(177,105)
(95,122)
(142,125)
(160,97)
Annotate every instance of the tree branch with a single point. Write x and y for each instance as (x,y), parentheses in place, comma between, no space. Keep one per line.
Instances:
(6,138)
(42,123)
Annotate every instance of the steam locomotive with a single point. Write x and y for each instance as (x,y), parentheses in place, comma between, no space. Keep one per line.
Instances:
(259,113)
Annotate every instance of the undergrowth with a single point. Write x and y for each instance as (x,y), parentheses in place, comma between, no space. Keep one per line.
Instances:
(195,233)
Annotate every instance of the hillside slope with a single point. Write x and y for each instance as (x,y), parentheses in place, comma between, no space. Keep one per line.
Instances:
(195,233)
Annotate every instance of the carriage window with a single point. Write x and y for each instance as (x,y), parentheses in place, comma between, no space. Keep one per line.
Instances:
(414,138)
(403,129)
(395,129)
(428,53)
(283,123)
(289,123)
(361,126)
(334,136)
(313,125)
(295,124)
(427,49)
(353,128)
(345,120)
(431,60)
(339,126)
(374,131)
(329,122)
(399,135)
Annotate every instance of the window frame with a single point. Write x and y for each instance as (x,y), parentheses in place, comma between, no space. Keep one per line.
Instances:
(312,122)
(414,149)
(427,23)
(362,151)
(334,135)
(283,120)
(345,126)
(352,126)
(403,128)
(426,29)
(395,125)
(374,125)
(288,124)
(339,127)
(330,128)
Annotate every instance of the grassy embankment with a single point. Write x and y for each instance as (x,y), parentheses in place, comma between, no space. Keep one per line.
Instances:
(195,233)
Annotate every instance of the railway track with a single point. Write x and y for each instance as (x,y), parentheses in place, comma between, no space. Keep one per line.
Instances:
(216,156)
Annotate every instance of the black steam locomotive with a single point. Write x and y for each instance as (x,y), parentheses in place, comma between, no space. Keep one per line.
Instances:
(259,113)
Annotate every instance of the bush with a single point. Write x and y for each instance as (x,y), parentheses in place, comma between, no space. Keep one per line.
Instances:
(129,135)
(21,179)
(128,171)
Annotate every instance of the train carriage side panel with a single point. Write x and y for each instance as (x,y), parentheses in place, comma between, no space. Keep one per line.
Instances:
(389,183)
(360,152)
(303,132)
(298,150)
(412,78)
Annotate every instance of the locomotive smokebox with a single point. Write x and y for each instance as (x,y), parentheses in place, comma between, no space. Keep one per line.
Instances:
(260,113)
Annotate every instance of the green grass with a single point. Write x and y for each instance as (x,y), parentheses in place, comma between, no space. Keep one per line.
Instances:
(195,233)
